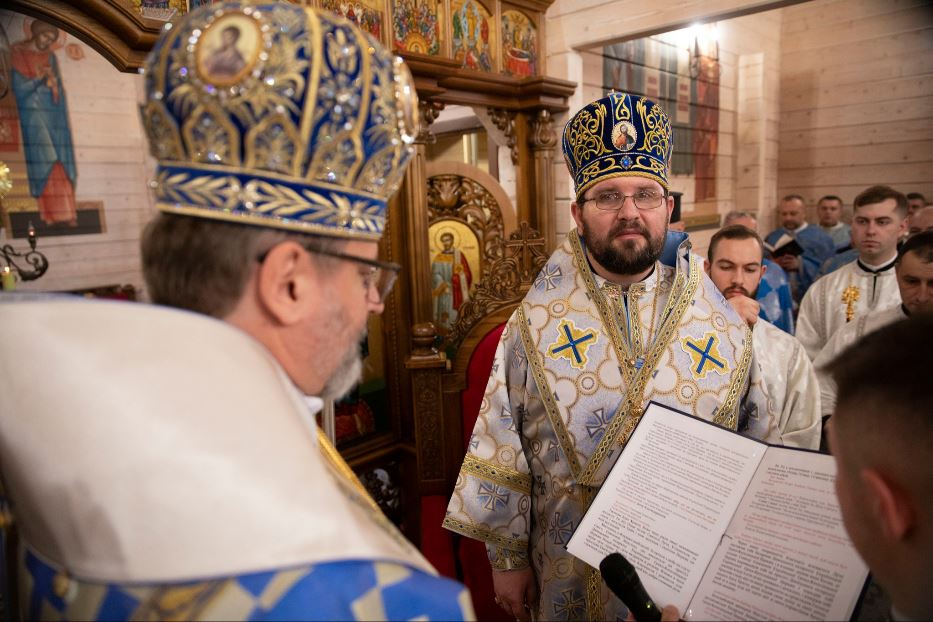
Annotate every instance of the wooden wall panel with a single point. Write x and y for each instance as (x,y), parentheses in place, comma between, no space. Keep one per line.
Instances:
(856,97)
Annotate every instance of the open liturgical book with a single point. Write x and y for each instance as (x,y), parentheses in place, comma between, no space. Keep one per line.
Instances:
(724,527)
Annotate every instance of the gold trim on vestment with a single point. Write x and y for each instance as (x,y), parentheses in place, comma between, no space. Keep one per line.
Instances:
(519,482)
(547,395)
(616,332)
(728,414)
(486,535)
(630,411)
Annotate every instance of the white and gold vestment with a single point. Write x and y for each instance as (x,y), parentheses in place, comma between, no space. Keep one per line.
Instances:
(841,297)
(577,364)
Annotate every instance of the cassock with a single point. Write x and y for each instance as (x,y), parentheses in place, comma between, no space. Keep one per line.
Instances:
(841,340)
(578,362)
(159,476)
(817,248)
(777,304)
(843,296)
(791,385)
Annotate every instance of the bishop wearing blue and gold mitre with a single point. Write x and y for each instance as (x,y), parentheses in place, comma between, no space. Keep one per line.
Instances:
(163,461)
(619,316)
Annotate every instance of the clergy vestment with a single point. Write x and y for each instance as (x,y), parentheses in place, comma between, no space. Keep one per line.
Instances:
(842,339)
(777,305)
(160,476)
(841,234)
(817,247)
(791,385)
(843,296)
(576,365)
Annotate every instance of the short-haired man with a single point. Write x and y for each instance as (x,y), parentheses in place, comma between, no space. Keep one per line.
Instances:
(815,244)
(829,211)
(605,328)
(915,202)
(734,264)
(914,270)
(880,438)
(864,285)
(921,220)
(172,466)
(777,305)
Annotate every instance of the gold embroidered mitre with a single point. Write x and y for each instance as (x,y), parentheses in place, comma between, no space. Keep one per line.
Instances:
(278,115)
(618,135)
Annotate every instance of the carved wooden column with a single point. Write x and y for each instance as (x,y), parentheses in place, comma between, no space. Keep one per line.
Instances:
(543,142)
(414,192)
(525,186)
(426,364)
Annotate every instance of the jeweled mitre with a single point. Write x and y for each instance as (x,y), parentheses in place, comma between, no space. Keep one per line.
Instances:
(278,115)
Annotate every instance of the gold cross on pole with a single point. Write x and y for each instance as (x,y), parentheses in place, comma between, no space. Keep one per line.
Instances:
(850,296)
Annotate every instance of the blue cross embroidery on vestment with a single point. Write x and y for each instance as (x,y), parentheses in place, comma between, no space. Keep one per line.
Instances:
(572,344)
(705,355)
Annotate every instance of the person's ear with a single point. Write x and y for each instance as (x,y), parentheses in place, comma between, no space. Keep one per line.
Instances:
(285,279)
(764,268)
(890,504)
(706,265)
(576,210)
(670,207)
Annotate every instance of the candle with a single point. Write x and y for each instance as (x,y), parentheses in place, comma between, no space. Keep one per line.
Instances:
(8,279)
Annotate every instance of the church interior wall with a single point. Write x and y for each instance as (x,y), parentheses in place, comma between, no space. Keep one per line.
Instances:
(856,98)
(112,165)
(820,97)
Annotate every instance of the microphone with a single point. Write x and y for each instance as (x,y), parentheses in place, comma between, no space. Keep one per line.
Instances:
(622,579)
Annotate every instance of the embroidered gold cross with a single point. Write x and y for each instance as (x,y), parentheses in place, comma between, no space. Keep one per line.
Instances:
(850,296)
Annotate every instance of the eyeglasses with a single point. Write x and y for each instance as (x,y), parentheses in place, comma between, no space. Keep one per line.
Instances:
(613,201)
(378,277)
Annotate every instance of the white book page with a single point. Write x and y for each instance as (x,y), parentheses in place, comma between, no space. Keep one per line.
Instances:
(786,555)
(667,502)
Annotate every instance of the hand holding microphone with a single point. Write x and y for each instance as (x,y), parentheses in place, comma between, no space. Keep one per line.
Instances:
(621,578)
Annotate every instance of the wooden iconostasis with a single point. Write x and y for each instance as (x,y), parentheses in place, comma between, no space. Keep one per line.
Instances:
(471,223)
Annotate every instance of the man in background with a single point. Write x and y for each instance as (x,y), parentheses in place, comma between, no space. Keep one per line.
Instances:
(880,437)
(777,305)
(914,271)
(735,266)
(829,211)
(814,246)
(864,285)
(921,220)
(915,202)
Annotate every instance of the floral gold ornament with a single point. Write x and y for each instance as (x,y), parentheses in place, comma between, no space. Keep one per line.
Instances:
(850,296)
(278,115)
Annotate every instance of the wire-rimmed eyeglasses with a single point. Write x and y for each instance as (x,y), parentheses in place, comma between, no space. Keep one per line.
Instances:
(379,276)
(612,201)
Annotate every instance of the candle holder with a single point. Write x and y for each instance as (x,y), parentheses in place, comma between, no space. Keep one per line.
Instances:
(28,265)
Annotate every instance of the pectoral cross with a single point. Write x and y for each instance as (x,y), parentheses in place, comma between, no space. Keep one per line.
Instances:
(850,296)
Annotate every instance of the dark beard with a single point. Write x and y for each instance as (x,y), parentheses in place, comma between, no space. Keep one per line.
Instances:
(627,261)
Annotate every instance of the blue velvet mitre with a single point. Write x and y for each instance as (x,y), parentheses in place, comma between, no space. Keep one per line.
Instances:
(278,115)
(618,135)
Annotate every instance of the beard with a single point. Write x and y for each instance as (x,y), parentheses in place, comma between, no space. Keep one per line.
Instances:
(345,377)
(628,258)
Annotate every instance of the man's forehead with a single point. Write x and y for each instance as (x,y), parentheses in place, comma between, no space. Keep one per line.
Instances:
(791,204)
(738,251)
(884,208)
(830,203)
(627,184)
(911,264)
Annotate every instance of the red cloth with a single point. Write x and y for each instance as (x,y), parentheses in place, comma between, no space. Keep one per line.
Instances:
(57,201)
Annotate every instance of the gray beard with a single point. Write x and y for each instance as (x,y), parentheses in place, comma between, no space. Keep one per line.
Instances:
(345,377)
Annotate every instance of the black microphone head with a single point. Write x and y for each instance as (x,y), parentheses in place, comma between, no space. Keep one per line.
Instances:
(616,565)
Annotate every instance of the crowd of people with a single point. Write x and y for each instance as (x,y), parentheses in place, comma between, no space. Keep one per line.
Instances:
(163,461)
